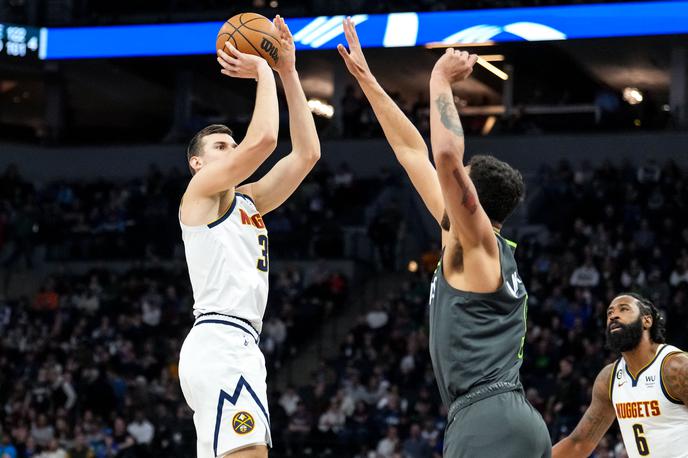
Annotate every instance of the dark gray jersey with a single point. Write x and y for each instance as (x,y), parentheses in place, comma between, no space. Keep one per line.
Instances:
(477,338)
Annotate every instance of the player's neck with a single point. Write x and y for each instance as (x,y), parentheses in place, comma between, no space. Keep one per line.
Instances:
(641,355)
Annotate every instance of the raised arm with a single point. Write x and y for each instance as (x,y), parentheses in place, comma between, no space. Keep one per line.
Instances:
(282,180)
(470,224)
(261,136)
(675,376)
(594,424)
(406,142)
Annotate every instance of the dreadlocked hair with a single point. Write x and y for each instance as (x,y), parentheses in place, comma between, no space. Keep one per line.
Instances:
(647,307)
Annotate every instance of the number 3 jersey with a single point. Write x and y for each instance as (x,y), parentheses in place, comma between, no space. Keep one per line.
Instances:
(228,263)
(652,422)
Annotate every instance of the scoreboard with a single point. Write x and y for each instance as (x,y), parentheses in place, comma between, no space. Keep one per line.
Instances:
(20,43)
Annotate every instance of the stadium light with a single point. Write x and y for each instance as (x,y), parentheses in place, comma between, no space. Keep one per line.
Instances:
(632,95)
(321,108)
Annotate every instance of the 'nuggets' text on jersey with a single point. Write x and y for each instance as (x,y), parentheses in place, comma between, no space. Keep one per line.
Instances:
(652,422)
(229,264)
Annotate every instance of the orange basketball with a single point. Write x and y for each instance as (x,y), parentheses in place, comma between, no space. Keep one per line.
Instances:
(251,33)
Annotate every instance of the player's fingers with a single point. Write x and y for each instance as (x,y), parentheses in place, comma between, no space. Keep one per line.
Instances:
(232,51)
(350,33)
(286,30)
(223,63)
(343,52)
(347,31)
(222,54)
(449,51)
(472,59)
(353,30)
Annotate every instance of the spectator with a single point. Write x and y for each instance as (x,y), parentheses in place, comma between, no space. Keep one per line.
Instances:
(585,275)
(416,446)
(388,444)
(141,429)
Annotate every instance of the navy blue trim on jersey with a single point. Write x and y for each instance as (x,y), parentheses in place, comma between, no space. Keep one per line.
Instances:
(661,381)
(246,196)
(634,380)
(242,383)
(611,379)
(228,323)
(243,320)
(225,216)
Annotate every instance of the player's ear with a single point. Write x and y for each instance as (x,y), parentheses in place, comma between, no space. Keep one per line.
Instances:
(647,322)
(195,162)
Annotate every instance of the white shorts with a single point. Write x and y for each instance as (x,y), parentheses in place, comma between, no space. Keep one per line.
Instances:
(222,374)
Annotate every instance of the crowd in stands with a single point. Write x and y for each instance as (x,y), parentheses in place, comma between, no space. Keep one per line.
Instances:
(106,219)
(88,364)
(609,229)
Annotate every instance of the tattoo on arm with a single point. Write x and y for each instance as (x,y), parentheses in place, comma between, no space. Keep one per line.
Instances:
(448,114)
(600,413)
(676,377)
(590,428)
(468,199)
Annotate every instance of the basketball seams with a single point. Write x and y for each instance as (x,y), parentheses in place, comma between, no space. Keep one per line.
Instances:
(236,30)
(244,24)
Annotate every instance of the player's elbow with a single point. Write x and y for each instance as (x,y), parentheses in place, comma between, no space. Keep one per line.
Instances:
(312,155)
(445,158)
(267,141)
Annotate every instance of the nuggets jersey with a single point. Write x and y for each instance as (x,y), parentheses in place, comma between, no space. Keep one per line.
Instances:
(228,263)
(652,422)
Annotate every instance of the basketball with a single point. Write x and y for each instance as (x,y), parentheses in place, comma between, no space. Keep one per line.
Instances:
(251,33)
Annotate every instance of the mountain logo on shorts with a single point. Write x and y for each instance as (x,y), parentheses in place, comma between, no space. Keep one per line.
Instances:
(243,423)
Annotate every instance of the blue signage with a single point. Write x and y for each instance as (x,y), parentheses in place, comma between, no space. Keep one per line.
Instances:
(387,30)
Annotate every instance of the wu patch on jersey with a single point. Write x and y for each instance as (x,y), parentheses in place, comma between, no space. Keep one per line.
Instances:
(652,423)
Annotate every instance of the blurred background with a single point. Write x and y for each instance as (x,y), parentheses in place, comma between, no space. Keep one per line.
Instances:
(589,99)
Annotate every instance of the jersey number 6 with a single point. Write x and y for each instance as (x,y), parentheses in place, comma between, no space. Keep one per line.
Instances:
(640,441)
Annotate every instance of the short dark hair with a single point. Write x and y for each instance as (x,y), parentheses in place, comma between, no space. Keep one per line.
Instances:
(500,187)
(648,308)
(196,143)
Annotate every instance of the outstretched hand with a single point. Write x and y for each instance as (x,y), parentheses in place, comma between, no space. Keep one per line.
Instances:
(238,64)
(354,59)
(454,65)
(287,55)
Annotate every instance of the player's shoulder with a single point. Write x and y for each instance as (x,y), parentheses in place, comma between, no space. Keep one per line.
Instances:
(604,379)
(674,376)
(676,360)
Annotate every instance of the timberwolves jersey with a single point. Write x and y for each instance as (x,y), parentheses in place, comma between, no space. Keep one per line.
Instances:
(477,338)
(228,263)
(652,423)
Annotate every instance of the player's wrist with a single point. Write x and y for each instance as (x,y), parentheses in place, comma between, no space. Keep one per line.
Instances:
(263,69)
(287,72)
(439,78)
(366,78)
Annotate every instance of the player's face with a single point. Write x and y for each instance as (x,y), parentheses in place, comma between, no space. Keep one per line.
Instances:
(217,146)
(625,325)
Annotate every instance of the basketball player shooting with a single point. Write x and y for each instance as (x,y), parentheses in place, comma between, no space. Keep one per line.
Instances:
(646,389)
(477,300)
(221,368)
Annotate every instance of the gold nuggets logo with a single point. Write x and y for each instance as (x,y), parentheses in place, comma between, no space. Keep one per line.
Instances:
(243,423)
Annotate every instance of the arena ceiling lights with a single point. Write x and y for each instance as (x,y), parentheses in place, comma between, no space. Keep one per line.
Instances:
(385,30)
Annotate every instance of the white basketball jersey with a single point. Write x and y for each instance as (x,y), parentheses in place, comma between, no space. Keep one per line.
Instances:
(652,423)
(228,263)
